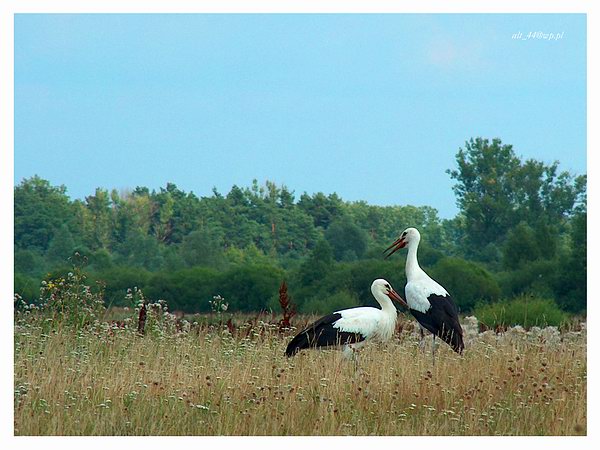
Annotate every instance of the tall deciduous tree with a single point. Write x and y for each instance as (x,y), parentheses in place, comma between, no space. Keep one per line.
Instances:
(61,246)
(495,191)
(98,219)
(40,210)
(186,214)
(162,215)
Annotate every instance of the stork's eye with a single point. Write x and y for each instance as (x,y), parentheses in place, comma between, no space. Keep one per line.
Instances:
(388,286)
(404,234)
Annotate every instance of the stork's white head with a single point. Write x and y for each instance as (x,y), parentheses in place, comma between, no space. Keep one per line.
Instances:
(382,287)
(408,237)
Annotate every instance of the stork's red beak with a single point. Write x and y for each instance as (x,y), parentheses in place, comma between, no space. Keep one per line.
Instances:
(394,296)
(397,245)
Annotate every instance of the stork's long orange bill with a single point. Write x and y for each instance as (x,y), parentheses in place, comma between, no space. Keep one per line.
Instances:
(394,296)
(397,245)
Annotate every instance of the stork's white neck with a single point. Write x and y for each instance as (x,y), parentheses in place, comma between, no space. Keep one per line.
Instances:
(413,270)
(388,318)
(414,273)
(386,304)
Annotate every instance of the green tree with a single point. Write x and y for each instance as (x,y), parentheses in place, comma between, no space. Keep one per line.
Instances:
(317,265)
(521,246)
(162,215)
(348,241)
(98,220)
(139,250)
(571,288)
(39,210)
(203,247)
(131,215)
(486,189)
(495,191)
(323,209)
(29,262)
(186,215)
(61,246)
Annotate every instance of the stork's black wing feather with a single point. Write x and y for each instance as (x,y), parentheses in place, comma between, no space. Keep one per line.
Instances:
(442,320)
(322,334)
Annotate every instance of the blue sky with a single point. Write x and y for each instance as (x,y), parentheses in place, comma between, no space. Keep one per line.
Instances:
(373,107)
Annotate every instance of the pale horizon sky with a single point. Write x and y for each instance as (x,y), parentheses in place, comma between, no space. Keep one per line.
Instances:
(373,107)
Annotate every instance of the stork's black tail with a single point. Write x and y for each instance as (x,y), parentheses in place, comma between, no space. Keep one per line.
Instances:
(299,342)
(322,333)
(454,338)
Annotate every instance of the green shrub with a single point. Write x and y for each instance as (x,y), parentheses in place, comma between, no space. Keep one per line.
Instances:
(354,277)
(29,262)
(326,305)
(120,278)
(428,256)
(187,290)
(27,287)
(249,288)
(101,260)
(523,310)
(363,273)
(536,276)
(69,301)
(467,282)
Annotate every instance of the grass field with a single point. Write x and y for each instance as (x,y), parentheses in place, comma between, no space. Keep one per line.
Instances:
(109,380)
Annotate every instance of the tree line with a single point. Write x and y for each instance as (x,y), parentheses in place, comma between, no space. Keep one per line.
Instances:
(521,229)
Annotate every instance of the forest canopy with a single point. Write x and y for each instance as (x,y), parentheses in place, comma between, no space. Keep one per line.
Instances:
(520,230)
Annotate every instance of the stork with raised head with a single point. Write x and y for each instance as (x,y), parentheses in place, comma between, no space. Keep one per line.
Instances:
(427,300)
(353,327)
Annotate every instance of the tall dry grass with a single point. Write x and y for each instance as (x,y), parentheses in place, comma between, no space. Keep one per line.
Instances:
(112,381)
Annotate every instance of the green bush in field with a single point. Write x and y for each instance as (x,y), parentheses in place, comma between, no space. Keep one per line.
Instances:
(27,287)
(66,301)
(467,282)
(248,288)
(118,279)
(328,304)
(187,289)
(350,277)
(523,310)
(540,276)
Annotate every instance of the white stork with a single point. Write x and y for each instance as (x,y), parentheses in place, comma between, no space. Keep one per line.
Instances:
(352,327)
(428,301)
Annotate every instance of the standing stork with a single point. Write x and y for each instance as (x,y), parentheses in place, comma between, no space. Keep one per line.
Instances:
(427,300)
(352,327)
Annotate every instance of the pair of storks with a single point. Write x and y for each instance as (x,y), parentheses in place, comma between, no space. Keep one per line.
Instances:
(428,302)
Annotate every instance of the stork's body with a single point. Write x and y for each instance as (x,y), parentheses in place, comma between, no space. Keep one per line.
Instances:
(353,327)
(427,300)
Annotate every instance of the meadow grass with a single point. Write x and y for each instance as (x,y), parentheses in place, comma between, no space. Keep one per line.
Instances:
(111,381)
